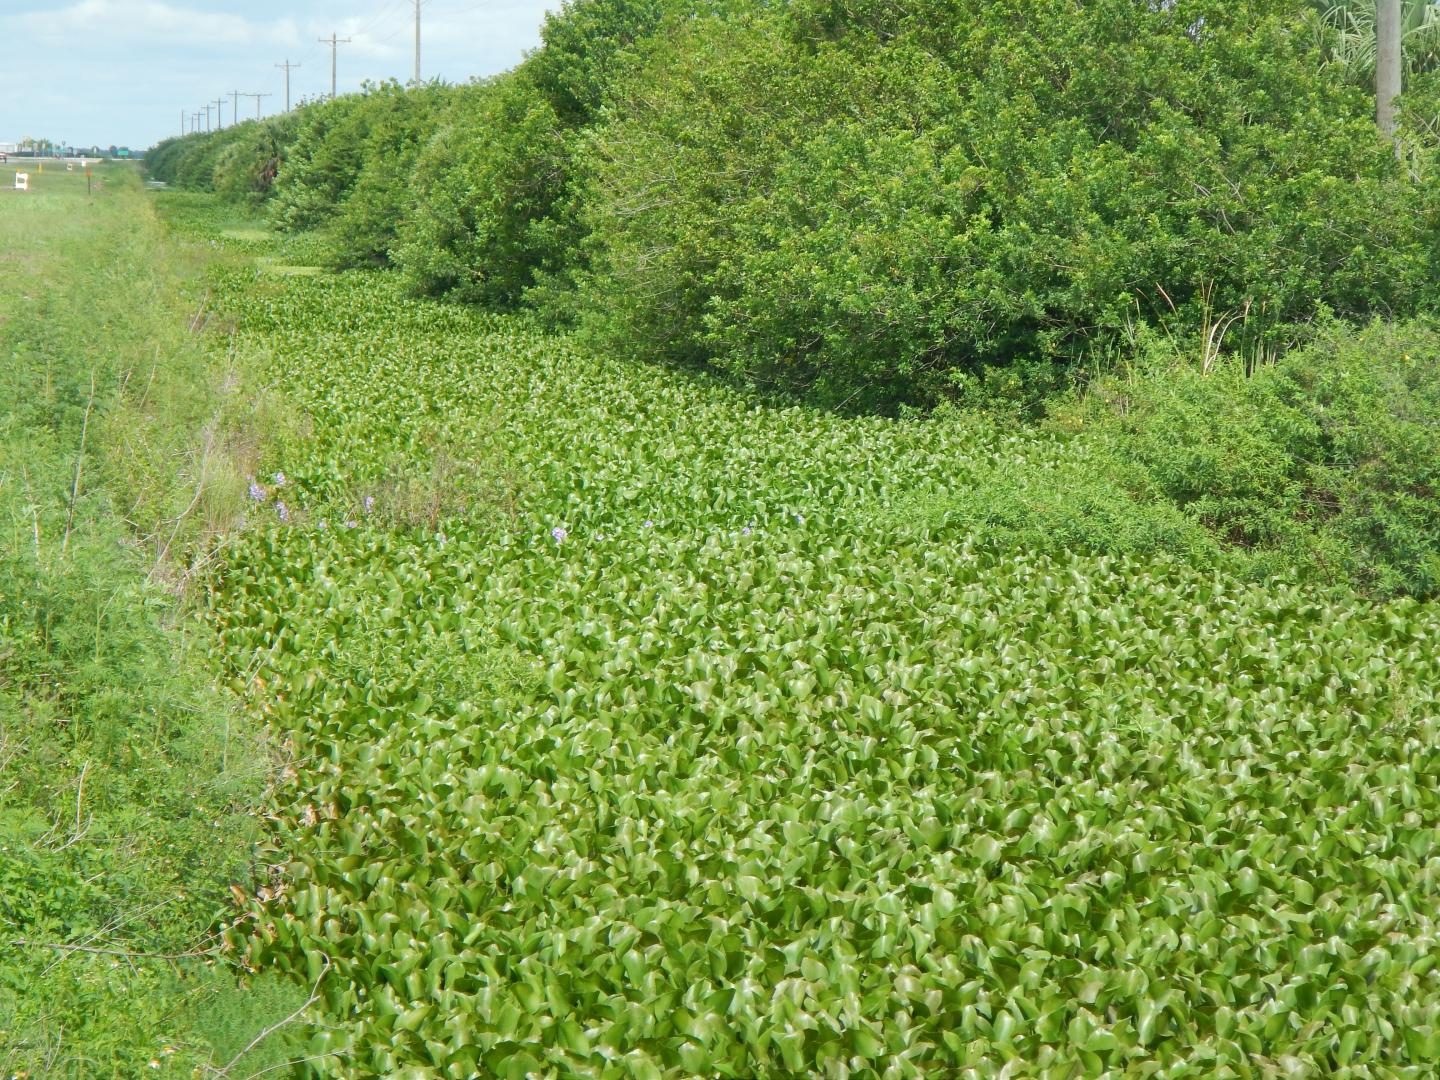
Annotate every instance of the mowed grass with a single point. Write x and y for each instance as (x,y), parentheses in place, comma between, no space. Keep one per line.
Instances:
(128,783)
(642,731)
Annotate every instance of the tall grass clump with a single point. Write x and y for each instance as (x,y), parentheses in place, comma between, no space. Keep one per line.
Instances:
(129,782)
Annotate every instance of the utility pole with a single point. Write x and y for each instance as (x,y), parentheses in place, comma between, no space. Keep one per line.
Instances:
(287,66)
(235,106)
(183,131)
(333,41)
(207,116)
(220,114)
(257,98)
(1387,64)
(417,43)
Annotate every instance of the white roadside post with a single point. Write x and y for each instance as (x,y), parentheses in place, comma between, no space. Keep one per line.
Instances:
(22,181)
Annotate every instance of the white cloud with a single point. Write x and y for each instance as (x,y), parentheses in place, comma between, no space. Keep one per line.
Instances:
(151,22)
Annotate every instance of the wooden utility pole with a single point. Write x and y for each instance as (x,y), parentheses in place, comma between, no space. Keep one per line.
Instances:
(288,66)
(235,105)
(208,107)
(220,114)
(257,98)
(1387,64)
(333,42)
(417,42)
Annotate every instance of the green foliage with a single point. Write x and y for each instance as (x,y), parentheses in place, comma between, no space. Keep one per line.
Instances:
(874,202)
(746,772)
(128,782)
(246,170)
(1325,462)
(1347,29)
(350,168)
(237,1014)
(1073,495)
(486,217)
(324,161)
(240,162)
(876,206)
(584,46)
(495,217)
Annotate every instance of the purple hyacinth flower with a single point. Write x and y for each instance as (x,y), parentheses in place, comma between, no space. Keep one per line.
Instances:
(257,493)
(279,479)
(369,503)
(282,510)
(559,534)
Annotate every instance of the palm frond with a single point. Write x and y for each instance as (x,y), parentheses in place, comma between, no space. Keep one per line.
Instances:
(1347,30)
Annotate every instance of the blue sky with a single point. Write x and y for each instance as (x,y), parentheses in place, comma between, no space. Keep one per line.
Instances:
(97,72)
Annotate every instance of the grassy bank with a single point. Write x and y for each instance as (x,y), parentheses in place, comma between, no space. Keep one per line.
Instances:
(127,781)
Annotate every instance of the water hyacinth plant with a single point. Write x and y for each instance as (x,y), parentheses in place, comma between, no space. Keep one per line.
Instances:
(880,799)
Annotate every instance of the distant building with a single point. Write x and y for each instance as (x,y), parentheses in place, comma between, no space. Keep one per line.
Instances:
(9,148)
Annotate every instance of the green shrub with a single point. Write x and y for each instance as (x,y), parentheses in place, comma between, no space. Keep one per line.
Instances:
(240,163)
(495,218)
(585,43)
(870,203)
(487,192)
(1071,496)
(396,124)
(246,170)
(1327,462)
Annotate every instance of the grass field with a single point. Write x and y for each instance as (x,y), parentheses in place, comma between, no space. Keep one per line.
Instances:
(128,784)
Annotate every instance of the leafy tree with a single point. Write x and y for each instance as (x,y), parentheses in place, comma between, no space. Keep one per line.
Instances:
(583,44)
(496,212)
(878,204)
(350,167)
(487,192)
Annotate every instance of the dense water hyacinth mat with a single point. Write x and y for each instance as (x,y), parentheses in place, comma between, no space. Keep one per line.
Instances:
(670,757)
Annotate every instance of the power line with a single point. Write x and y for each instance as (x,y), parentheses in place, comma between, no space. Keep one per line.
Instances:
(385,14)
(453,11)
(375,28)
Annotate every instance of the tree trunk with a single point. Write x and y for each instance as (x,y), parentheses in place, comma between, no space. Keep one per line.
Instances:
(1387,63)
